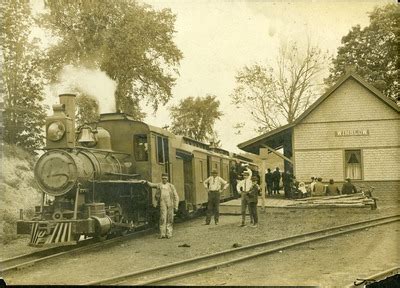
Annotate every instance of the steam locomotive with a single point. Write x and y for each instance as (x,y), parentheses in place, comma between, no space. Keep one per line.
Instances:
(91,178)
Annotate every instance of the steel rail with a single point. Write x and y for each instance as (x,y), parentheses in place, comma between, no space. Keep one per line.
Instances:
(375,278)
(38,253)
(326,234)
(42,255)
(57,251)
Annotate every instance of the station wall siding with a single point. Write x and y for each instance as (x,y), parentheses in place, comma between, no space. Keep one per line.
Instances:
(384,133)
(381,164)
(325,164)
(351,108)
(351,102)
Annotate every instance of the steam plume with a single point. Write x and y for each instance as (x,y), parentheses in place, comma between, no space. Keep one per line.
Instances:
(92,82)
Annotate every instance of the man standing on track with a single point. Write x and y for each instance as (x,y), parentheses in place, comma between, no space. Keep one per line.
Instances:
(214,186)
(168,200)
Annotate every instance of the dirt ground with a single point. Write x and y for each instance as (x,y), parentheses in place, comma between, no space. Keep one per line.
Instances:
(329,263)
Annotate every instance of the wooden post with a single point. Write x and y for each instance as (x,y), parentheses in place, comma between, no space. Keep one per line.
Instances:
(263,184)
(262,176)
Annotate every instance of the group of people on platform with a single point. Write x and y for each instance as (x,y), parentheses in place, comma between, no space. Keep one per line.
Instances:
(296,189)
(247,187)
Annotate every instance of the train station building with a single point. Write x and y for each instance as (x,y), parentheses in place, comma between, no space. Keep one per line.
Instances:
(350,131)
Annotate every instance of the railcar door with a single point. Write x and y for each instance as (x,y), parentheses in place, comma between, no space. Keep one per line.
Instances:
(224,165)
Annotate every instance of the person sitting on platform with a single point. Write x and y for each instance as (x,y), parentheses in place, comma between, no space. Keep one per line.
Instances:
(332,188)
(319,188)
(348,187)
(303,190)
(311,185)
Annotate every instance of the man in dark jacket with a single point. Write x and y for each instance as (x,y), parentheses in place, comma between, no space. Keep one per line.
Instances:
(252,200)
(348,187)
(233,181)
(276,178)
(332,188)
(268,182)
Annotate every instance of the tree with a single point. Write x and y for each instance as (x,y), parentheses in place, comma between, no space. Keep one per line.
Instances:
(273,95)
(131,42)
(373,52)
(87,109)
(21,77)
(195,117)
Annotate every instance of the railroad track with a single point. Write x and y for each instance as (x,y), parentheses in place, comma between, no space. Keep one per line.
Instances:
(30,259)
(161,274)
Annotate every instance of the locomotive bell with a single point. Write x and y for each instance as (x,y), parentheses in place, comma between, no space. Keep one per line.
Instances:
(86,137)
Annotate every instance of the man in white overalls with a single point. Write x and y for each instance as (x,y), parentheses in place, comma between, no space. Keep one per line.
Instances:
(168,200)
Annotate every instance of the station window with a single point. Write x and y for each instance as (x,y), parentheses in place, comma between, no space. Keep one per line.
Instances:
(162,150)
(353,165)
(141,148)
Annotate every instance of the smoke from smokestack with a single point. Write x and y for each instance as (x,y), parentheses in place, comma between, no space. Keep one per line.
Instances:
(92,82)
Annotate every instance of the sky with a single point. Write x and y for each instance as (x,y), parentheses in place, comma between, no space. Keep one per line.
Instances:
(218,38)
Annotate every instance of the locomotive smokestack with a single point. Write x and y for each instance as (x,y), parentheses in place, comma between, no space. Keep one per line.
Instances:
(69,101)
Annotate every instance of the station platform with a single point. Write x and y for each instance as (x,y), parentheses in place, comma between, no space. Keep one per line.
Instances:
(279,202)
(234,206)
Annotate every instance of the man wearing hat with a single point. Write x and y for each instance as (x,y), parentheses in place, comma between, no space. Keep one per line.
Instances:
(214,186)
(348,187)
(252,200)
(244,187)
(168,200)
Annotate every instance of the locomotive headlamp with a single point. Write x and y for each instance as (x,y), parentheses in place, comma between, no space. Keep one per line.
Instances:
(55,131)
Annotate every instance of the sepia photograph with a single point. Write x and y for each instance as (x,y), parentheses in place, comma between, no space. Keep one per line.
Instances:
(200,143)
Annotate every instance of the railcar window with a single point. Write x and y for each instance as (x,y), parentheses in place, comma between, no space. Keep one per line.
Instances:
(166,150)
(162,150)
(141,148)
(353,164)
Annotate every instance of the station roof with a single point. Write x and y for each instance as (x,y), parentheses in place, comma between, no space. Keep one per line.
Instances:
(275,138)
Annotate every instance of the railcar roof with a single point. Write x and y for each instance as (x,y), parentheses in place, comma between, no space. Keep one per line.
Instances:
(126,117)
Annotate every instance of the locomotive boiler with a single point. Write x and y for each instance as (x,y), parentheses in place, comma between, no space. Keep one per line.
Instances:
(93,178)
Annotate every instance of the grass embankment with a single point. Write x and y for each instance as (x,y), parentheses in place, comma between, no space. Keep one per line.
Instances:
(18,190)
